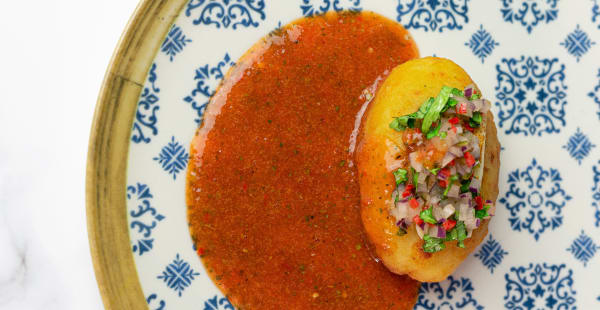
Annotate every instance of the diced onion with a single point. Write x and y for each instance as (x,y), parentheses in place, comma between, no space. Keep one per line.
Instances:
(454,191)
(448,157)
(448,210)
(418,166)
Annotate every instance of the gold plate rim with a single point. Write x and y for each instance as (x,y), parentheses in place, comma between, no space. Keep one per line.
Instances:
(106,170)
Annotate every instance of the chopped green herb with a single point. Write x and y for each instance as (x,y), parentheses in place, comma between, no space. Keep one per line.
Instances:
(433,113)
(443,135)
(395,124)
(400,176)
(452,179)
(435,171)
(473,124)
(457,92)
(483,213)
(477,117)
(464,187)
(433,133)
(452,235)
(461,233)
(400,123)
(475,96)
(342,163)
(432,244)
(427,216)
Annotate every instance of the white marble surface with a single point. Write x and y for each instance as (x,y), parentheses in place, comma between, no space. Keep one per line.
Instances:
(53,57)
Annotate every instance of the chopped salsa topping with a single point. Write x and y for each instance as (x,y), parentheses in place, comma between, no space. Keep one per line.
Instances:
(439,189)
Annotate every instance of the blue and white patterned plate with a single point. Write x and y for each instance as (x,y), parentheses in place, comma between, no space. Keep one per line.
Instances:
(538,61)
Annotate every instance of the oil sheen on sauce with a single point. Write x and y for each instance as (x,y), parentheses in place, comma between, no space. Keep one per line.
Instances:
(273,198)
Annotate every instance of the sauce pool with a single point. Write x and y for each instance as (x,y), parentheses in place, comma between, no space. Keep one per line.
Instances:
(273,197)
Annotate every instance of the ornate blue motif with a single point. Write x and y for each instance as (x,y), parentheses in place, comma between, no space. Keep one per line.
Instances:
(596,194)
(491,253)
(529,13)
(174,42)
(535,199)
(577,43)
(173,158)
(448,294)
(217,303)
(143,219)
(144,124)
(540,286)
(433,14)
(583,248)
(531,95)
(227,13)
(596,13)
(158,305)
(315,7)
(579,146)
(481,43)
(207,79)
(178,275)
(595,94)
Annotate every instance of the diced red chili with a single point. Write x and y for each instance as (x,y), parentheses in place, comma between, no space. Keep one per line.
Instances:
(452,163)
(418,220)
(413,203)
(453,128)
(479,202)
(445,173)
(453,120)
(443,183)
(469,159)
(461,108)
(408,190)
(468,127)
(449,224)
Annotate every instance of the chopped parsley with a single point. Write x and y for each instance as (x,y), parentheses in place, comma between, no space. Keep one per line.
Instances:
(400,176)
(433,244)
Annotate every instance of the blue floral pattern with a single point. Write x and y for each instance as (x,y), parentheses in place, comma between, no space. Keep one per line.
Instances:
(540,286)
(144,125)
(583,248)
(535,199)
(596,13)
(158,305)
(174,42)
(225,13)
(217,303)
(596,194)
(207,79)
(481,43)
(178,275)
(315,7)
(491,253)
(531,95)
(579,146)
(173,158)
(434,15)
(449,294)
(529,13)
(577,43)
(595,94)
(144,219)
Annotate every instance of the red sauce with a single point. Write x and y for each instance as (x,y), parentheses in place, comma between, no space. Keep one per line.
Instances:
(273,198)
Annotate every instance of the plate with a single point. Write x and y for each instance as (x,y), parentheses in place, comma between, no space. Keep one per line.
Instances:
(536,60)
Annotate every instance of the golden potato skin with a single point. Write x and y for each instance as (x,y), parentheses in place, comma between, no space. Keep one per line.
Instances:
(403,92)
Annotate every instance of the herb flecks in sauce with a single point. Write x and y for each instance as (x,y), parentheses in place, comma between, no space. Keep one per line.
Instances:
(312,75)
